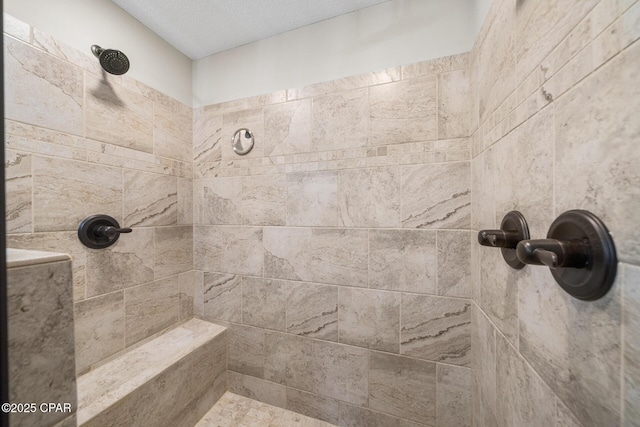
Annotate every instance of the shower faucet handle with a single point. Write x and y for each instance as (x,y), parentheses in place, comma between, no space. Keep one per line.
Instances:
(554,253)
(499,238)
(110,231)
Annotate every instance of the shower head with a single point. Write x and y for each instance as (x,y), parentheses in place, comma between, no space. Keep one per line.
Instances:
(112,61)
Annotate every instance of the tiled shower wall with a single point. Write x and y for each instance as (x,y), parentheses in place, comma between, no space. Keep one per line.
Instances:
(555,127)
(337,251)
(78,143)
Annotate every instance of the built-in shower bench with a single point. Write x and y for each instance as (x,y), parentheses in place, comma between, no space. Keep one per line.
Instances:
(171,380)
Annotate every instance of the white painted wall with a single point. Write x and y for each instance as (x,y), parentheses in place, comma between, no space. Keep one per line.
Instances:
(82,23)
(393,33)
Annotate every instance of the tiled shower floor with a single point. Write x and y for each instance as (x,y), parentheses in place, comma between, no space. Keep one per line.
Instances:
(237,411)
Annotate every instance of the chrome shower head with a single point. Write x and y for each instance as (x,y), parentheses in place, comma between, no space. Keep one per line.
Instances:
(112,61)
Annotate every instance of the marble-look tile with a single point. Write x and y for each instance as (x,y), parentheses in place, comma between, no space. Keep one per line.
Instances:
(340,120)
(222,297)
(436,66)
(117,115)
(357,416)
(436,328)
(218,201)
(264,200)
(436,196)
(340,371)
(65,242)
(312,198)
(236,250)
(453,396)
(16,28)
(288,360)
(187,290)
(207,135)
(250,119)
(522,398)
(403,260)
(150,199)
(127,263)
(150,308)
(454,269)
(99,328)
(330,256)
(496,59)
(71,421)
(541,27)
(483,366)
(312,311)
(257,389)
(369,318)
(596,150)
(288,128)
(83,59)
(631,338)
(393,384)
(264,303)
(66,192)
(453,104)
(345,83)
(524,159)
(369,197)
(312,405)
(483,194)
(185,201)
(554,328)
(404,111)
(42,90)
(173,250)
(172,133)
(40,322)
(19,188)
(246,350)
(564,417)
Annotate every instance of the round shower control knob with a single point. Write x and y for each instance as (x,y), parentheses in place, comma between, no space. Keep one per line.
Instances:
(100,231)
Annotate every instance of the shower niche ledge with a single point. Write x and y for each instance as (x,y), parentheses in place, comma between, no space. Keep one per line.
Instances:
(174,377)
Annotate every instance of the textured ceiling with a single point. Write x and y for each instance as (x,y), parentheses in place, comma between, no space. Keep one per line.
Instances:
(199,28)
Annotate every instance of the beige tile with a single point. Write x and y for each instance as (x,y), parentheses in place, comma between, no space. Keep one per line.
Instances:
(218,201)
(99,328)
(16,28)
(42,90)
(453,104)
(357,416)
(288,360)
(288,128)
(369,197)
(436,196)
(187,291)
(312,198)
(340,371)
(127,263)
(150,308)
(330,256)
(83,59)
(483,366)
(264,200)
(236,250)
(117,115)
(631,327)
(403,387)
(346,83)
(436,328)
(264,303)
(223,297)
(554,328)
(340,120)
(312,405)
(207,135)
(172,133)
(250,119)
(595,150)
(522,397)
(66,192)
(436,66)
(40,320)
(454,269)
(368,318)
(173,250)
(403,260)
(246,350)
(185,201)
(19,189)
(150,199)
(453,396)
(403,111)
(257,389)
(312,311)
(564,417)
